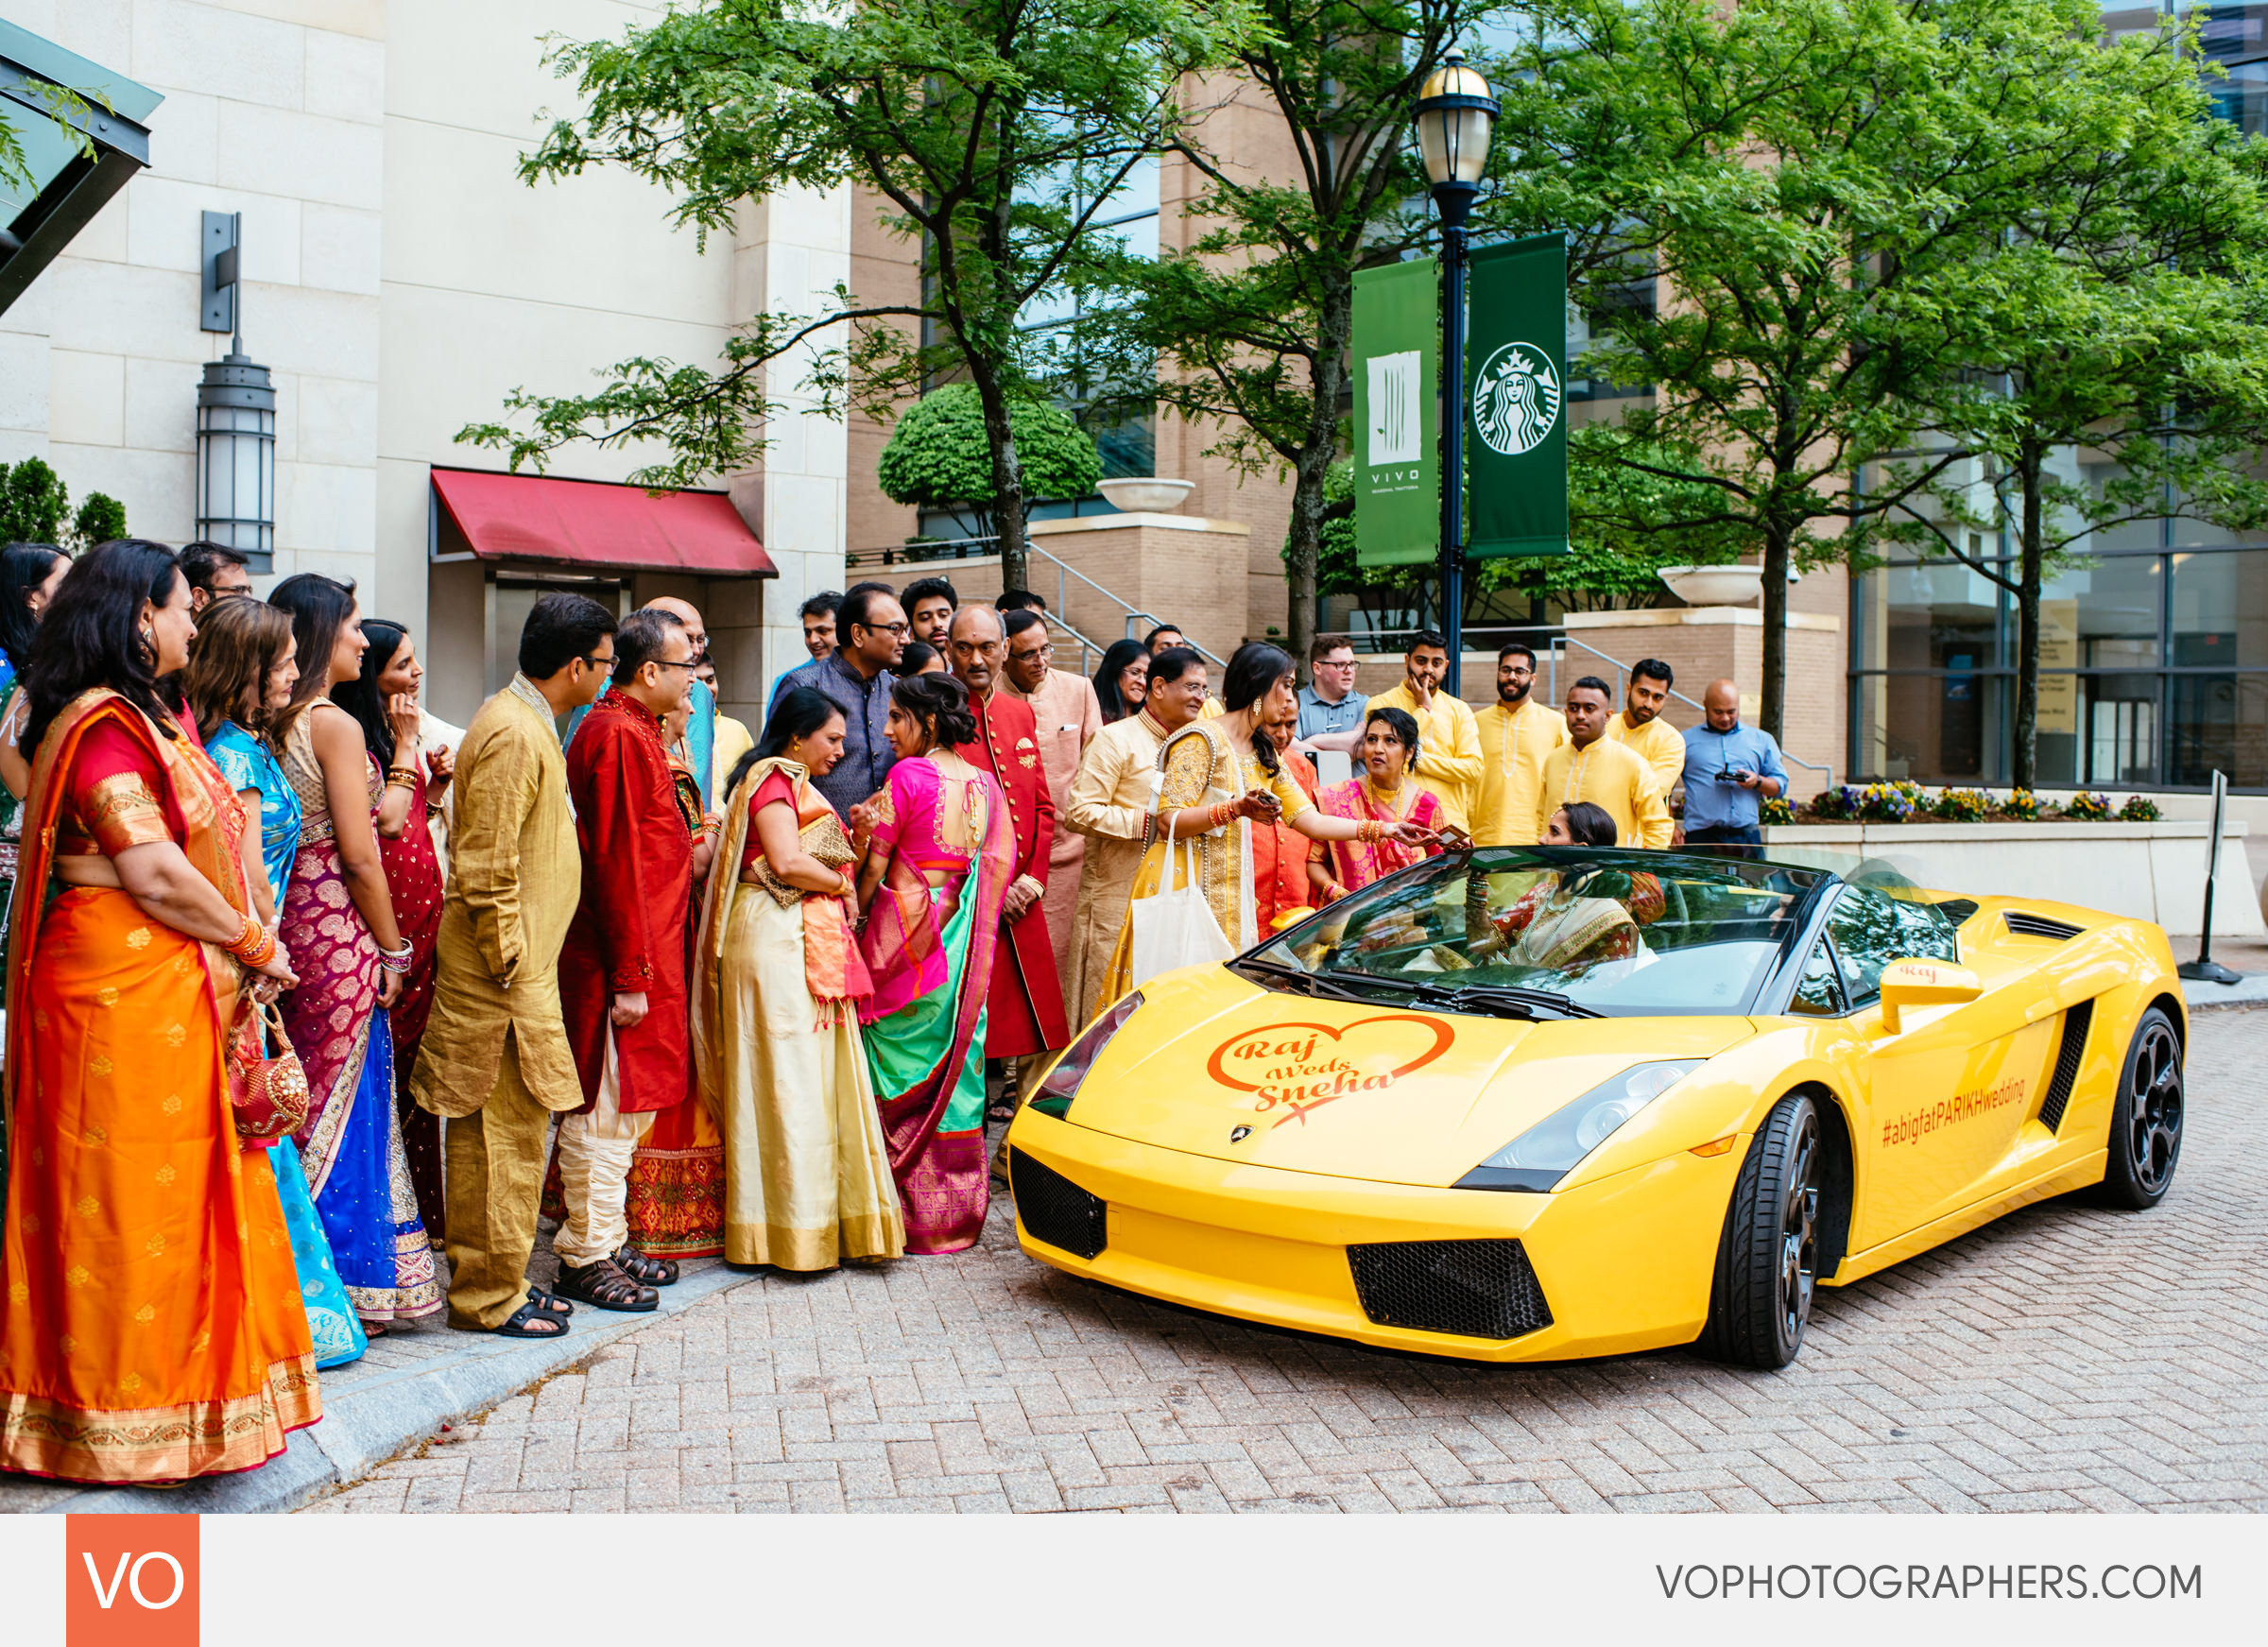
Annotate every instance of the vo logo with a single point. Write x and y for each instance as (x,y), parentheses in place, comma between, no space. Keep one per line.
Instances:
(130,1581)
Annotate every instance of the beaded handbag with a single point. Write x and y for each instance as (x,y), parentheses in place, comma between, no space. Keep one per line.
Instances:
(268,1093)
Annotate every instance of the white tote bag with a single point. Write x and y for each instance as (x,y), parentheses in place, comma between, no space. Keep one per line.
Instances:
(1174,925)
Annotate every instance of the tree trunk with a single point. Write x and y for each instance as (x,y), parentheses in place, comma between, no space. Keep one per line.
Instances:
(1304,539)
(1008,501)
(1779,542)
(2031,461)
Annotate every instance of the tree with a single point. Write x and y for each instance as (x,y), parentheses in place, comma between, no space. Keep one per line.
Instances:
(1850,146)
(938,456)
(993,131)
(2112,308)
(35,507)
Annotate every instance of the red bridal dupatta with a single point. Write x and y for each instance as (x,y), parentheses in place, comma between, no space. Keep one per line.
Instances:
(925,1028)
(152,1328)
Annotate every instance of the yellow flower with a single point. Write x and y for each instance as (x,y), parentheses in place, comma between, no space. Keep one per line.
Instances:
(172,1105)
(99,1066)
(165,1174)
(107,996)
(88,1205)
(138,938)
(146,1314)
(77,1276)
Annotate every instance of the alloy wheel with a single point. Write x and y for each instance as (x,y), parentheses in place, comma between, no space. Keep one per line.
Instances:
(2154,1109)
(1798,1236)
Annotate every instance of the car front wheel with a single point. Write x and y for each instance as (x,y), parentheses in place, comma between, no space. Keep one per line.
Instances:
(1767,1258)
(2145,1123)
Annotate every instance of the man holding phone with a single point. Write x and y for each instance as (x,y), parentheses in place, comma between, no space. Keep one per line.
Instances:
(1731,770)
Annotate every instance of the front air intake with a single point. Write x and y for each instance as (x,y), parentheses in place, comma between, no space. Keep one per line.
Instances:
(2076,1020)
(1475,1289)
(1055,1210)
(2039,926)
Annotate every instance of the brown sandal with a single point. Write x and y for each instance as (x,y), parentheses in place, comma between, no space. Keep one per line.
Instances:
(604,1284)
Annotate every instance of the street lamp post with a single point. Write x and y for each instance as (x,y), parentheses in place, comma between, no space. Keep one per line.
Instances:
(1454,114)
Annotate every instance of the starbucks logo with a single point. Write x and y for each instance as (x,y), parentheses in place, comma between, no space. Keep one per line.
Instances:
(1516,399)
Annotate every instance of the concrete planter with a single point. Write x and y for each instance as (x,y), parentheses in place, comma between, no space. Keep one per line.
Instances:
(2152,871)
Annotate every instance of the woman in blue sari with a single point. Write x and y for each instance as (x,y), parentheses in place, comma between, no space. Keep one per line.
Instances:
(242,668)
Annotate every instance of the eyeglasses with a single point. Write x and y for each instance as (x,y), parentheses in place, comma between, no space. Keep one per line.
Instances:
(1338,663)
(603,665)
(665,663)
(893,630)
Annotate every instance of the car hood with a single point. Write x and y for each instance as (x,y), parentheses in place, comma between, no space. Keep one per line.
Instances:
(1398,1095)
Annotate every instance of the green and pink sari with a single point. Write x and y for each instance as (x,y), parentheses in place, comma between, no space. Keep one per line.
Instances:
(930,950)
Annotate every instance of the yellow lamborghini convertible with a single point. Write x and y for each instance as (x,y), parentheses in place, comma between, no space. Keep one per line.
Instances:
(1526,1104)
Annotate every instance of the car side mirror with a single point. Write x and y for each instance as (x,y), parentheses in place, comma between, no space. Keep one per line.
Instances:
(1908,984)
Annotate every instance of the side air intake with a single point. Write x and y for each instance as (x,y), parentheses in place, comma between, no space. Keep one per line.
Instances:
(1056,1210)
(2076,1021)
(2039,926)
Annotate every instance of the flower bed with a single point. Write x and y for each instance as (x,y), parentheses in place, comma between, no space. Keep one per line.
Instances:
(1905,801)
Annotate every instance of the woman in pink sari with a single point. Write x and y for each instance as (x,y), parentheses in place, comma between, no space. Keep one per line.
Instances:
(938,866)
(1381,793)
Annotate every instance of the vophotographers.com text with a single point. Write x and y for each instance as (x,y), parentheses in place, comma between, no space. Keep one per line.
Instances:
(1915,1581)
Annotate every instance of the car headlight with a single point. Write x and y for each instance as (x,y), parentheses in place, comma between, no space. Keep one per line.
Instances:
(1054,1093)
(1547,1151)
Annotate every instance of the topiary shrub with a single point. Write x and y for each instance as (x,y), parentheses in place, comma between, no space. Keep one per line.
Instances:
(35,507)
(937,456)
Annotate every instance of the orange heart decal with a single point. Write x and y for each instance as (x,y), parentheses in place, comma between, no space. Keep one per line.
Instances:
(1276,1043)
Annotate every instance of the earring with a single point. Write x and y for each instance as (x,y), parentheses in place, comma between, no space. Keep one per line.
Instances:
(148,635)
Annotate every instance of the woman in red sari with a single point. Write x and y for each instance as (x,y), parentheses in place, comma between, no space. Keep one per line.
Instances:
(1381,791)
(151,1328)
(384,698)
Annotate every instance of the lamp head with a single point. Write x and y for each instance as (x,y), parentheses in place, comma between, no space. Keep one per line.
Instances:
(1455,113)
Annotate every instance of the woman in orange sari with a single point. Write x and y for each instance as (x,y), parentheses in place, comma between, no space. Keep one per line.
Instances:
(151,1328)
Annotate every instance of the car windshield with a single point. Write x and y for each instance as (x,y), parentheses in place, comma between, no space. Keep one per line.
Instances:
(1552,931)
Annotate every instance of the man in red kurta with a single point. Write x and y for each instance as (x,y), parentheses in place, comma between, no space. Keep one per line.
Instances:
(623,972)
(1025,1009)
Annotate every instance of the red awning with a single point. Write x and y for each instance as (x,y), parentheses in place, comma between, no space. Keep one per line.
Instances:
(589,522)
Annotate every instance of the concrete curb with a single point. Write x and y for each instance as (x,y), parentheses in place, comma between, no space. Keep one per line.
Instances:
(2249,990)
(371,1421)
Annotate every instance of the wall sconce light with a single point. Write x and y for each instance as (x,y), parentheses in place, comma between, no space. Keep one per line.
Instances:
(235,413)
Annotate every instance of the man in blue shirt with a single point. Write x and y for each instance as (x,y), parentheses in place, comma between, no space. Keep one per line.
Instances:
(871,633)
(1330,711)
(1729,771)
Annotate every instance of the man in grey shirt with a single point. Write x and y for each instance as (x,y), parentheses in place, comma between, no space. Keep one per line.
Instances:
(1330,711)
(871,633)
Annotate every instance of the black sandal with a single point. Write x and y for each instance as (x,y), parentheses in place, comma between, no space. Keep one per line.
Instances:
(548,1303)
(654,1271)
(604,1283)
(532,1320)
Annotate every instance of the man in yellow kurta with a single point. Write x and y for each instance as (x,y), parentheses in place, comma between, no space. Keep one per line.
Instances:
(1641,729)
(1448,740)
(1110,800)
(496,1062)
(1517,735)
(1592,766)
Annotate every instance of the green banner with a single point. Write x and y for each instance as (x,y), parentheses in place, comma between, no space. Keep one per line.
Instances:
(1397,414)
(1516,398)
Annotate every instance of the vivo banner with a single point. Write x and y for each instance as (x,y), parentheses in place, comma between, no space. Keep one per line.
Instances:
(1397,415)
(1516,450)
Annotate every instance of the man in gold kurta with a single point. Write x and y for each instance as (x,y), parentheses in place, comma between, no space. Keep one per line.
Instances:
(1112,797)
(496,1062)
(1448,740)
(1641,729)
(1517,735)
(1592,766)
(1069,717)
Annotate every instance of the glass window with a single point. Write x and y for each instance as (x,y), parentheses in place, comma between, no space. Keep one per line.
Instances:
(2219,611)
(1940,615)
(1621,932)
(2217,722)
(1872,929)
(1819,991)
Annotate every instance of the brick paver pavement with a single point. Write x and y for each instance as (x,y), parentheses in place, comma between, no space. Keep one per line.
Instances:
(2064,1358)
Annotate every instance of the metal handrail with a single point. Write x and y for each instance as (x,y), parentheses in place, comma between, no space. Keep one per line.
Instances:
(1064,570)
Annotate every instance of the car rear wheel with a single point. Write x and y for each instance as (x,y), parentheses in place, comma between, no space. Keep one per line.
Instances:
(1768,1256)
(2145,1123)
